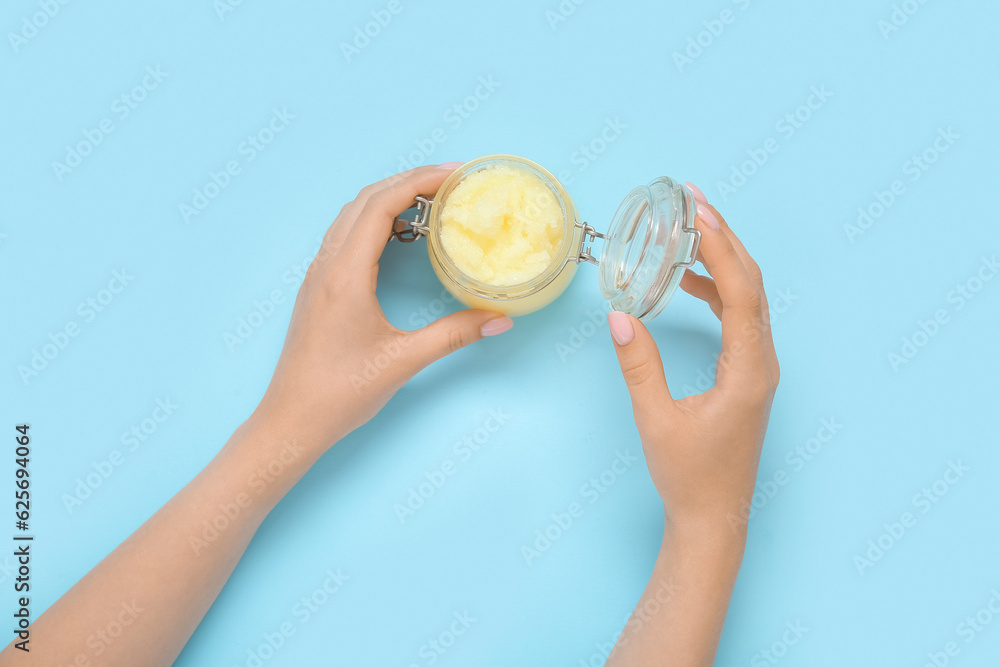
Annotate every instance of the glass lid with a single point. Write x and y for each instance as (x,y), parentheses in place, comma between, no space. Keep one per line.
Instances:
(652,240)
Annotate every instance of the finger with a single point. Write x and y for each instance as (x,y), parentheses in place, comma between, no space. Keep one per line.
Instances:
(699,198)
(702,200)
(743,321)
(701,259)
(736,288)
(702,287)
(374,223)
(338,230)
(751,266)
(753,269)
(641,367)
(345,221)
(453,332)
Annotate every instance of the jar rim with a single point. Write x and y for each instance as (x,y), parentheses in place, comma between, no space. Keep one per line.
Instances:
(518,290)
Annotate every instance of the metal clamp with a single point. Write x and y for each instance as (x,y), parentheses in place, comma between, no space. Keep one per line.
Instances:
(415,228)
(694,248)
(585,252)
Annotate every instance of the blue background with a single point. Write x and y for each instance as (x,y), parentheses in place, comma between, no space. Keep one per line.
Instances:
(849,301)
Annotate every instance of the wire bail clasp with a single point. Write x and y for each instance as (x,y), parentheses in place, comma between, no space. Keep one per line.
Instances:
(695,244)
(585,254)
(417,226)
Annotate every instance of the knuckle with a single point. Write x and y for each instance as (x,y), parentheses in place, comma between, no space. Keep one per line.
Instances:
(759,393)
(457,339)
(333,283)
(366,192)
(637,373)
(379,201)
(330,245)
(313,272)
(753,297)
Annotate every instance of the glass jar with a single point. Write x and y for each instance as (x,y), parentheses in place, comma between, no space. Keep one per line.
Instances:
(650,242)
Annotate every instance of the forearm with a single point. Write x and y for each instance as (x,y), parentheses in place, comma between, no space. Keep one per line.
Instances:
(141,603)
(678,620)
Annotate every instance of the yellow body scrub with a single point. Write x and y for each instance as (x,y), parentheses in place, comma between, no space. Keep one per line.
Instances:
(502,225)
(504,235)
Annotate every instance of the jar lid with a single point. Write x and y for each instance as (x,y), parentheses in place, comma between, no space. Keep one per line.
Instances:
(651,241)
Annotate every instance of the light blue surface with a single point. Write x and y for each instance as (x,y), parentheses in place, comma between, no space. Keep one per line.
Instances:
(848,307)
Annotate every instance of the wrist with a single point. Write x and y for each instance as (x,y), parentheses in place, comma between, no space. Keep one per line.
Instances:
(711,532)
(278,425)
(267,458)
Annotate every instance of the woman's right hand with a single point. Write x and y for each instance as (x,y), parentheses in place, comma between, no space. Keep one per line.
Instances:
(702,451)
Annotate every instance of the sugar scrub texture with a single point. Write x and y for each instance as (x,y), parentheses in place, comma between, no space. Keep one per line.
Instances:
(502,225)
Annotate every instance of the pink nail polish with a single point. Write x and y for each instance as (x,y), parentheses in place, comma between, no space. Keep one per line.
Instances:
(707,217)
(696,191)
(496,327)
(450,165)
(621,328)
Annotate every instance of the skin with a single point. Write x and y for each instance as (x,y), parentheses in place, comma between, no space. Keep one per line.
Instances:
(319,393)
(702,452)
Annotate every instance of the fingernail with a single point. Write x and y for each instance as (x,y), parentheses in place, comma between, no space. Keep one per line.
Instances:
(696,191)
(621,327)
(450,165)
(708,217)
(496,327)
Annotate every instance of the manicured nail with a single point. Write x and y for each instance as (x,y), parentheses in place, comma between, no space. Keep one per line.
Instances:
(696,191)
(708,217)
(621,328)
(496,327)
(450,165)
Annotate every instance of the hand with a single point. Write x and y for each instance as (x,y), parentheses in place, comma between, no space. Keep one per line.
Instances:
(703,450)
(342,360)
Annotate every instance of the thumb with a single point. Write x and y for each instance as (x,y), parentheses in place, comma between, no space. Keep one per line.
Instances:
(453,332)
(641,366)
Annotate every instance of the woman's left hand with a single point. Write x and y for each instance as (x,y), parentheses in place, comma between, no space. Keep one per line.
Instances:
(342,359)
